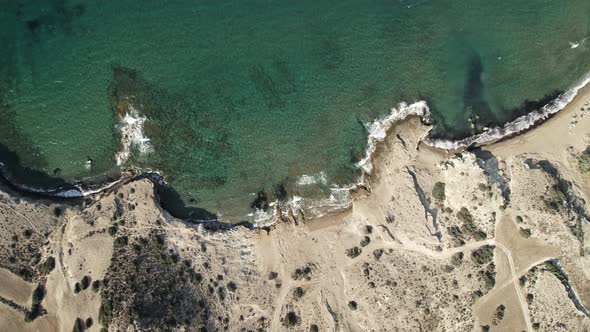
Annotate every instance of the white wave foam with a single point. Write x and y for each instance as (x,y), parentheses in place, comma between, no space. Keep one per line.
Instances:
(519,125)
(132,135)
(576,44)
(319,178)
(261,215)
(70,193)
(105,187)
(64,193)
(340,197)
(378,129)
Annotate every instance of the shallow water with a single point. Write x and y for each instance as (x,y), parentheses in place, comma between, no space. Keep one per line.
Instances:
(249,96)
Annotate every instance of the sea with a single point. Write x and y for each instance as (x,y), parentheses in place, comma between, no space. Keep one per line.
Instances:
(242,106)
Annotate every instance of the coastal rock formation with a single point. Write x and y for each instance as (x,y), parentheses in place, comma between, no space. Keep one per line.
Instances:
(492,239)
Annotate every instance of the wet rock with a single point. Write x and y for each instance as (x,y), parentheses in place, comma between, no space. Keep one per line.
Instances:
(260,202)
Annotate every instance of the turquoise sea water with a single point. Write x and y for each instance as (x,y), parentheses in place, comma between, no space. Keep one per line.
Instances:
(247,96)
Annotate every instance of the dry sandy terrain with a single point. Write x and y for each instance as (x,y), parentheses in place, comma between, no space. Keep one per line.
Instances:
(488,239)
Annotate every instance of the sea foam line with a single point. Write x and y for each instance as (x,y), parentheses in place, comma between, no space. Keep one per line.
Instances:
(377,133)
(340,196)
(379,127)
(516,126)
(318,178)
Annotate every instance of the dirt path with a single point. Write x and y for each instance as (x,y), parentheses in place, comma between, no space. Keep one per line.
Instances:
(521,299)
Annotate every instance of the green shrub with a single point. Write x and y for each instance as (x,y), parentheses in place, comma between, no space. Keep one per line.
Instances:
(483,255)
(38,295)
(47,266)
(438,191)
(525,232)
(36,311)
(291,319)
(354,252)
(499,315)
(79,325)
(105,313)
(457,259)
(584,162)
(465,216)
(86,282)
(365,241)
(113,230)
(299,292)
(469,226)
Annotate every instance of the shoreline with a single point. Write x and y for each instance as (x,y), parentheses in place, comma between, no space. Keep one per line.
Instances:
(517,126)
(378,130)
(511,209)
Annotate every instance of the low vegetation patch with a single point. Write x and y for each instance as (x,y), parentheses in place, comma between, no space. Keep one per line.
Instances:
(488,276)
(155,289)
(37,309)
(304,272)
(469,227)
(483,255)
(47,266)
(291,319)
(298,292)
(365,241)
(499,314)
(584,162)
(354,252)
(377,253)
(79,325)
(438,191)
(524,232)
(457,259)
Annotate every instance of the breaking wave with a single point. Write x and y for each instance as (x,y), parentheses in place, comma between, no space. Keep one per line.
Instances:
(517,126)
(132,135)
(319,178)
(340,197)
(379,128)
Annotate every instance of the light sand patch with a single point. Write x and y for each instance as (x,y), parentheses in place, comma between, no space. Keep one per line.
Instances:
(12,320)
(550,307)
(526,252)
(514,318)
(555,135)
(14,288)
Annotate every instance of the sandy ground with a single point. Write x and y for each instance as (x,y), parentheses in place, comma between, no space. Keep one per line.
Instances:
(481,255)
(15,288)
